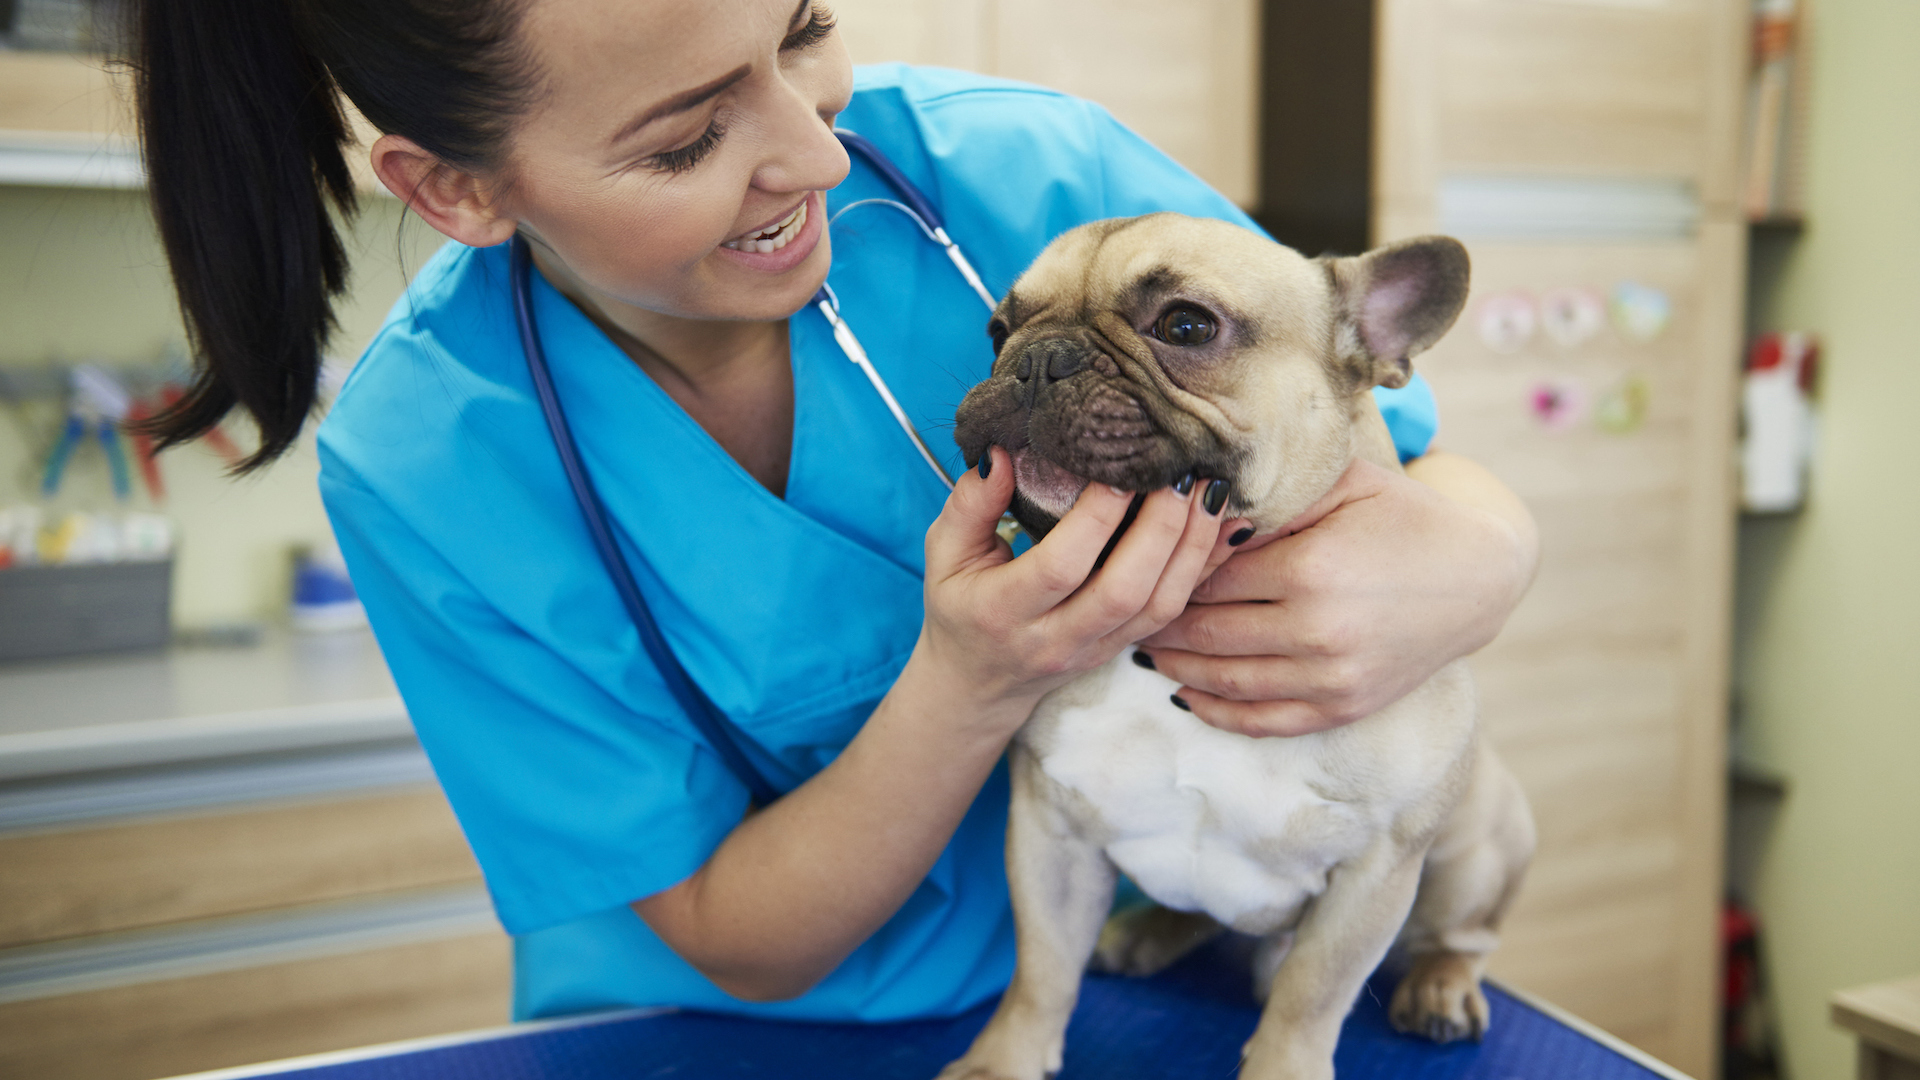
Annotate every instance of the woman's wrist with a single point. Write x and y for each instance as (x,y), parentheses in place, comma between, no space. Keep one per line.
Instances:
(937,683)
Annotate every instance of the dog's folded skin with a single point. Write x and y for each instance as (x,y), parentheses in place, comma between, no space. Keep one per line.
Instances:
(1135,352)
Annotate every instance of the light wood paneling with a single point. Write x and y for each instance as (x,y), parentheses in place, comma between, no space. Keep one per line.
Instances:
(1606,692)
(1184,77)
(240,1017)
(61,93)
(146,873)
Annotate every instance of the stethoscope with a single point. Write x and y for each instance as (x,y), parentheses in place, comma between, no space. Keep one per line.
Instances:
(706,716)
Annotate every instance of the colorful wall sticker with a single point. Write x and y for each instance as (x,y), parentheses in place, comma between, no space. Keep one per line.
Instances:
(1572,316)
(1558,403)
(1623,408)
(1640,312)
(1507,321)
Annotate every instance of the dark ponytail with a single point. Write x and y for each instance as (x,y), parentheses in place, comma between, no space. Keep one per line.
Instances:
(242,129)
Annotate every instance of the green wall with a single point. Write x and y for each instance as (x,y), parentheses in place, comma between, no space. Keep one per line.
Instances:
(82,278)
(1830,599)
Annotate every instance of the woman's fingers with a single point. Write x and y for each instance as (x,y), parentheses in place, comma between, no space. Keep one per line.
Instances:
(1198,551)
(1249,629)
(1059,564)
(1252,678)
(964,531)
(1123,587)
(1259,719)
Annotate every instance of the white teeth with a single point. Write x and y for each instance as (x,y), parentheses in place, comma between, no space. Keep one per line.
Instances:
(774,239)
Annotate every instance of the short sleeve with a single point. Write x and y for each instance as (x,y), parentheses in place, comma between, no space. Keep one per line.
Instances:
(571,802)
(1411,416)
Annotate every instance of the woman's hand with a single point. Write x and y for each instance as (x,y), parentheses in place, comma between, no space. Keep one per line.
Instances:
(1383,582)
(800,884)
(1016,628)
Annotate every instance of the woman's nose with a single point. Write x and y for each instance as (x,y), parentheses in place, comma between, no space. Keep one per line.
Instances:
(803,155)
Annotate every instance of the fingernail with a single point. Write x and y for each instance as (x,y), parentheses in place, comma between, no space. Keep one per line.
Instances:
(986,462)
(1143,659)
(1240,537)
(1184,485)
(1181,702)
(1216,497)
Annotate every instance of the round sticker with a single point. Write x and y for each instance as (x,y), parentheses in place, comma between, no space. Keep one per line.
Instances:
(1572,316)
(1640,312)
(1558,403)
(1506,321)
(1623,408)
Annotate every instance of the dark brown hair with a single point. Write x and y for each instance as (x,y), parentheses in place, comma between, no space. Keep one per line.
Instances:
(242,130)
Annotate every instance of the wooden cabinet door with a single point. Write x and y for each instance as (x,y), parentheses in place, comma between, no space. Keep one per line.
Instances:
(1585,152)
(1184,75)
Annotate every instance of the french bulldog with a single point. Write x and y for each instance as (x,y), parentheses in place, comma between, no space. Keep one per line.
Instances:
(1136,352)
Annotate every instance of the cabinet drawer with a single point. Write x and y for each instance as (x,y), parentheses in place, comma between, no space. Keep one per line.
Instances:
(129,874)
(229,1018)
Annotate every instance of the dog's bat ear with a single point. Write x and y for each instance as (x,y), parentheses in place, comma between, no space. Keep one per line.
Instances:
(1396,301)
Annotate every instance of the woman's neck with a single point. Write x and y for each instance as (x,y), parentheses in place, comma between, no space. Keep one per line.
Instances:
(734,378)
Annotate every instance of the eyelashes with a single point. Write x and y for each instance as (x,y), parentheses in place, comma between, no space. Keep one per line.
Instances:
(682,158)
(820,23)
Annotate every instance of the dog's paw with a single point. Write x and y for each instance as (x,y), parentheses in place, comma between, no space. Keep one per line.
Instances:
(1145,939)
(1440,999)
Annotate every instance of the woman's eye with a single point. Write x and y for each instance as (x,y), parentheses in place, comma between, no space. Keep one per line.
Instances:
(1184,326)
(682,158)
(819,24)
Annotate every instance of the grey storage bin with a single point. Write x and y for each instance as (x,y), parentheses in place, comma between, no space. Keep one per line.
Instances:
(48,611)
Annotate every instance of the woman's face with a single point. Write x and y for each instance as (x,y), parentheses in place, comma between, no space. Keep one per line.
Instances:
(677,152)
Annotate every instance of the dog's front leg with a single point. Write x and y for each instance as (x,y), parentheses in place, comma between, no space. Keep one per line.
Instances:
(1062,886)
(1343,936)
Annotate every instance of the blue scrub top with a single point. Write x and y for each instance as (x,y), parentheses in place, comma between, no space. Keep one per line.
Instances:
(578,783)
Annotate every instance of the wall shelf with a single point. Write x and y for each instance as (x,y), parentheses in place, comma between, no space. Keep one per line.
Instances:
(56,159)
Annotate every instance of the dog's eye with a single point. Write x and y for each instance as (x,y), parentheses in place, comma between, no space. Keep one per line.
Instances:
(997,330)
(1184,326)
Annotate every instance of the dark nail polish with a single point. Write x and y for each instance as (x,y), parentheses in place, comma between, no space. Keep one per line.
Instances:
(1216,497)
(986,462)
(1181,702)
(1240,537)
(1184,485)
(1143,660)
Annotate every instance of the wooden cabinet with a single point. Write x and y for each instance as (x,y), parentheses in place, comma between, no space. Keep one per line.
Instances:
(1184,76)
(1586,153)
(215,856)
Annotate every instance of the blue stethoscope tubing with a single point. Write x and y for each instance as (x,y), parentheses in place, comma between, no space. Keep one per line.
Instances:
(706,716)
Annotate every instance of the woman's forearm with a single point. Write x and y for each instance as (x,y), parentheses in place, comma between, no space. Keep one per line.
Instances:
(799,885)
(1470,484)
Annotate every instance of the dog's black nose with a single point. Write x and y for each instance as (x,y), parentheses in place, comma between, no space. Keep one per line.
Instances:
(1050,360)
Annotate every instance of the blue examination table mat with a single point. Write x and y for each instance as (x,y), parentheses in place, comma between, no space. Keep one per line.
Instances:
(1188,1023)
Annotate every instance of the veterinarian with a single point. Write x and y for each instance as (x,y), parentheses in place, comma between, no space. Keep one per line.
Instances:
(671,165)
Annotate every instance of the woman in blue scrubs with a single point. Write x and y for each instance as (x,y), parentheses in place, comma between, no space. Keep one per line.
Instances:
(672,165)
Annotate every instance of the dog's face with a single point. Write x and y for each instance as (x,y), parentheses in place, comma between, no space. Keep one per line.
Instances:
(1138,350)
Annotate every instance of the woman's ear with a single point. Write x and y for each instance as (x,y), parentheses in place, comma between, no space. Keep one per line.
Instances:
(455,202)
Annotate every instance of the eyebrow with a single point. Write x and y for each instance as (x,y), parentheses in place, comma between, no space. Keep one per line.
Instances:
(683,101)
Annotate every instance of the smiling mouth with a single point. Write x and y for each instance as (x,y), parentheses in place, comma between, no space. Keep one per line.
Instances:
(775,238)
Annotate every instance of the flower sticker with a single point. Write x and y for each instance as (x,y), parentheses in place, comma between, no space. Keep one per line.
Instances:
(1572,316)
(1507,321)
